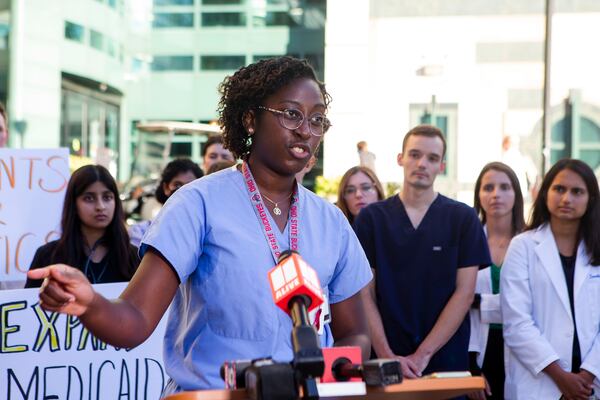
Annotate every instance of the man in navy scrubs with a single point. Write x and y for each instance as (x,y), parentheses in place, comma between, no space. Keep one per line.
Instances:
(425,250)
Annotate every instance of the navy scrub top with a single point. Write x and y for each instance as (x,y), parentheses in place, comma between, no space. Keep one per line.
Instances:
(416,271)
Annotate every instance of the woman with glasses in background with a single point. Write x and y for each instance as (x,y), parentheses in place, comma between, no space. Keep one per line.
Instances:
(210,248)
(358,188)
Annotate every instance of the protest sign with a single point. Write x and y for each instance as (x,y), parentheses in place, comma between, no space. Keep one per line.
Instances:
(32,190)
(46,355)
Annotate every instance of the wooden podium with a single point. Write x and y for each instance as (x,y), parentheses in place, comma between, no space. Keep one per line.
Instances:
(410,389)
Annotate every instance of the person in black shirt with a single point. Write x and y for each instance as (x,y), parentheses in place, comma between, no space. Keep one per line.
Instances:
(94,238)
(425,250)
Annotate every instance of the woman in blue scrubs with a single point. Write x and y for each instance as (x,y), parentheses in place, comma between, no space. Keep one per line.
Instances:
(213,242)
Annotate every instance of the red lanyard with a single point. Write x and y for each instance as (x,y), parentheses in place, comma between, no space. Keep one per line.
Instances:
(261,214)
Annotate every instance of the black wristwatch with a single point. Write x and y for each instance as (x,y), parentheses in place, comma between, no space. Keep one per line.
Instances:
(476,301)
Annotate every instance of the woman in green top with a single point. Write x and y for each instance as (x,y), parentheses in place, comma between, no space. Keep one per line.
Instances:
(499,204)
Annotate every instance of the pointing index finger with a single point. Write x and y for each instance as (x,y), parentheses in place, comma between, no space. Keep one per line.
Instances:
(39,273)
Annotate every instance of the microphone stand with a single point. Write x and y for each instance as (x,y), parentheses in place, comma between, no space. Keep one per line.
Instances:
(308,362)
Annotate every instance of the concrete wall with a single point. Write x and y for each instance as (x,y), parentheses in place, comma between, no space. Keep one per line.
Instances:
(489,65)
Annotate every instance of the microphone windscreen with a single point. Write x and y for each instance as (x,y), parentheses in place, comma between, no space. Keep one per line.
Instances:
(294,277)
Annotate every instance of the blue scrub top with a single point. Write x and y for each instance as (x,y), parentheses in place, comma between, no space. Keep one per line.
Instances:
(224,310)
(416,271)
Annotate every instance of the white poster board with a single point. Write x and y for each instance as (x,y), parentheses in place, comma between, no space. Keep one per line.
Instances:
(32,189)
(46,355)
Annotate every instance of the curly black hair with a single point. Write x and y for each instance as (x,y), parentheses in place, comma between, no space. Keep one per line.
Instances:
(247,89)
(174,168)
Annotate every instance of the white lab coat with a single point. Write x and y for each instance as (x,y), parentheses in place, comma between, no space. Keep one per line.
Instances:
(536,314)
(488,313)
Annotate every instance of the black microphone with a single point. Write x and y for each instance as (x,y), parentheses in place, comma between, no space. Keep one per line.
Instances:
(296,289)
(268,380)
(382,372)
(342,364)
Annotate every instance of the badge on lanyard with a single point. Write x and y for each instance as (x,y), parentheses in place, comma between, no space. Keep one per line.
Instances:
(321,315)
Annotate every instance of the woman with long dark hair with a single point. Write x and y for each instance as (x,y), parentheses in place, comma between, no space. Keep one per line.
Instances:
(550,291)
(358,188)
(499,205)
(93,238)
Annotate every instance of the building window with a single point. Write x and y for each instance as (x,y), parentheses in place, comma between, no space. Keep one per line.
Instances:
(575,131)
(173,20)
(96,40)
(111,47)
(4,36)
(181,149)
(173,2)
(74,31)
(275,18)
(90,124)
(317,61)
(173,63)
(138,65)
(259,57)
(217,63)
(583,144)
(224,19)
(445,117)
(221,2)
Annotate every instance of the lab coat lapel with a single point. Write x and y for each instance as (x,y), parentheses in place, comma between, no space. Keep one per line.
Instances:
(582,268)
(547,252)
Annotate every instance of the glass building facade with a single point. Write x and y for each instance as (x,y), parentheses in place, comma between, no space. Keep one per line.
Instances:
(105,65)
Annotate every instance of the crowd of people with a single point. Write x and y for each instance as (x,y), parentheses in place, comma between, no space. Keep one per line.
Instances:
(416,276)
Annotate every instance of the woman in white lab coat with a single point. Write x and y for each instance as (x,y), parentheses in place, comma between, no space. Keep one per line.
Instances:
(499,204)
(550,291)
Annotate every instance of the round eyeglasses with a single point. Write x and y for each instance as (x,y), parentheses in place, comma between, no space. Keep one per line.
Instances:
(364,188)
(292,119)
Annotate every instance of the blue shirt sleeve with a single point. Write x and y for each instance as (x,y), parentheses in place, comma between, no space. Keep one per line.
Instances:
(137,231)
(178,231)
(352,271)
